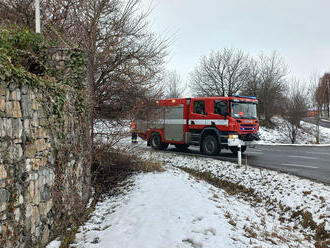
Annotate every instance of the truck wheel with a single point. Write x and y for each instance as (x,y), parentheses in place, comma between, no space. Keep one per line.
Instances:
(234,149)
(210,145)
(181,147)
(156,142)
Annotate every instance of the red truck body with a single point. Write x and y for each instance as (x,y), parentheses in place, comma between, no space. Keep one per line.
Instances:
(208,122)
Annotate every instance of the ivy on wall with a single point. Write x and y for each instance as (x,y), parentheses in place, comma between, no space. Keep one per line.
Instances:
(23,61)
(61,92)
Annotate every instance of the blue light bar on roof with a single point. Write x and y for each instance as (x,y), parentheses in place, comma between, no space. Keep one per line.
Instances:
(252,97)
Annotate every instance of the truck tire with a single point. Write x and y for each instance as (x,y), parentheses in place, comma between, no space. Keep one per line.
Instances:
(234,149)
(210,145)
(156,142)
(181,147)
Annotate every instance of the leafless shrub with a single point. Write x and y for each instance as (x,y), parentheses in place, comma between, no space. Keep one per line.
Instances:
(295,110)
(111,167)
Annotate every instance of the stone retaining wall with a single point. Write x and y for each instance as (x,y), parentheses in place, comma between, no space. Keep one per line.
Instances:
(38,189)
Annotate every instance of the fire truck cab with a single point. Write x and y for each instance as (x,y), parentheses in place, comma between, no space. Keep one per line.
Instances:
(213,123)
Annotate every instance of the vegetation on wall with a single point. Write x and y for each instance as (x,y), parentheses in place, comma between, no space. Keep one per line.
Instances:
(61,92)
(23,57)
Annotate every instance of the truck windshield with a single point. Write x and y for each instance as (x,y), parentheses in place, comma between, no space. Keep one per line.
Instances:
(243,110)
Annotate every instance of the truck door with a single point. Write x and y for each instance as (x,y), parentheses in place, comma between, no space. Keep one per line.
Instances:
(197,114)
(220,109)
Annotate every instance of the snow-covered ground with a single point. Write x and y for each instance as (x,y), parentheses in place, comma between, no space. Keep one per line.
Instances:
(162,210)
(306,134)
(173,209)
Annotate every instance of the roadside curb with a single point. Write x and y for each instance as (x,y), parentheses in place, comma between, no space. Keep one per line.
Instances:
(306,145)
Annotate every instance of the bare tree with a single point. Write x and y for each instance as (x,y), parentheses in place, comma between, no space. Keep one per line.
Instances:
(124,57)
(19,12)
(315,99)
(296,108)
(172,85)
(266,80)
(230,71)
(323,93)
(253,82)
(222,73)
(273,79)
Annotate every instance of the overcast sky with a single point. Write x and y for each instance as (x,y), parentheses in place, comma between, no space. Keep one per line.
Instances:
(298,29)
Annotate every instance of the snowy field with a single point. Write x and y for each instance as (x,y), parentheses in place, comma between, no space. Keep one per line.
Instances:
(174,209)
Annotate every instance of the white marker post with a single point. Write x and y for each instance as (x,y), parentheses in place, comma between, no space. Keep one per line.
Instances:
(37,15)
(239,154)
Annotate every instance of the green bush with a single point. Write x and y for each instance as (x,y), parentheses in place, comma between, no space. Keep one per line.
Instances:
(24,49)
(20,39)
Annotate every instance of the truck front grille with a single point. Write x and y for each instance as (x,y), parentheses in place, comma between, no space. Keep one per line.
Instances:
(247,127)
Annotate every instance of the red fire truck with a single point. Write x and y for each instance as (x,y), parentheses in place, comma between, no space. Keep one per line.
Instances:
(213,123)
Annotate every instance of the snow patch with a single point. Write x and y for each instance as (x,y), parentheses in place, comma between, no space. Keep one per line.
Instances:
(54,244)
(306,134)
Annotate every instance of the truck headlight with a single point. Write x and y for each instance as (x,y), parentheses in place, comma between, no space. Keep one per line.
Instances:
(233,136)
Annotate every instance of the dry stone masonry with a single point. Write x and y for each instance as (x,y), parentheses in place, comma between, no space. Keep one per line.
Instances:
(44,172)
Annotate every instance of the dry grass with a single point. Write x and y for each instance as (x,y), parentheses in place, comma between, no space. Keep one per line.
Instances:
(230,187)
(250,233)
(321,235)
(322,244)
(232,222)
(228,215)
(112,167)
(148,166)
(305,218)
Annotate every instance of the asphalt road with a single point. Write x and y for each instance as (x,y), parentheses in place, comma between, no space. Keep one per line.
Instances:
(308,162)
(323,122)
